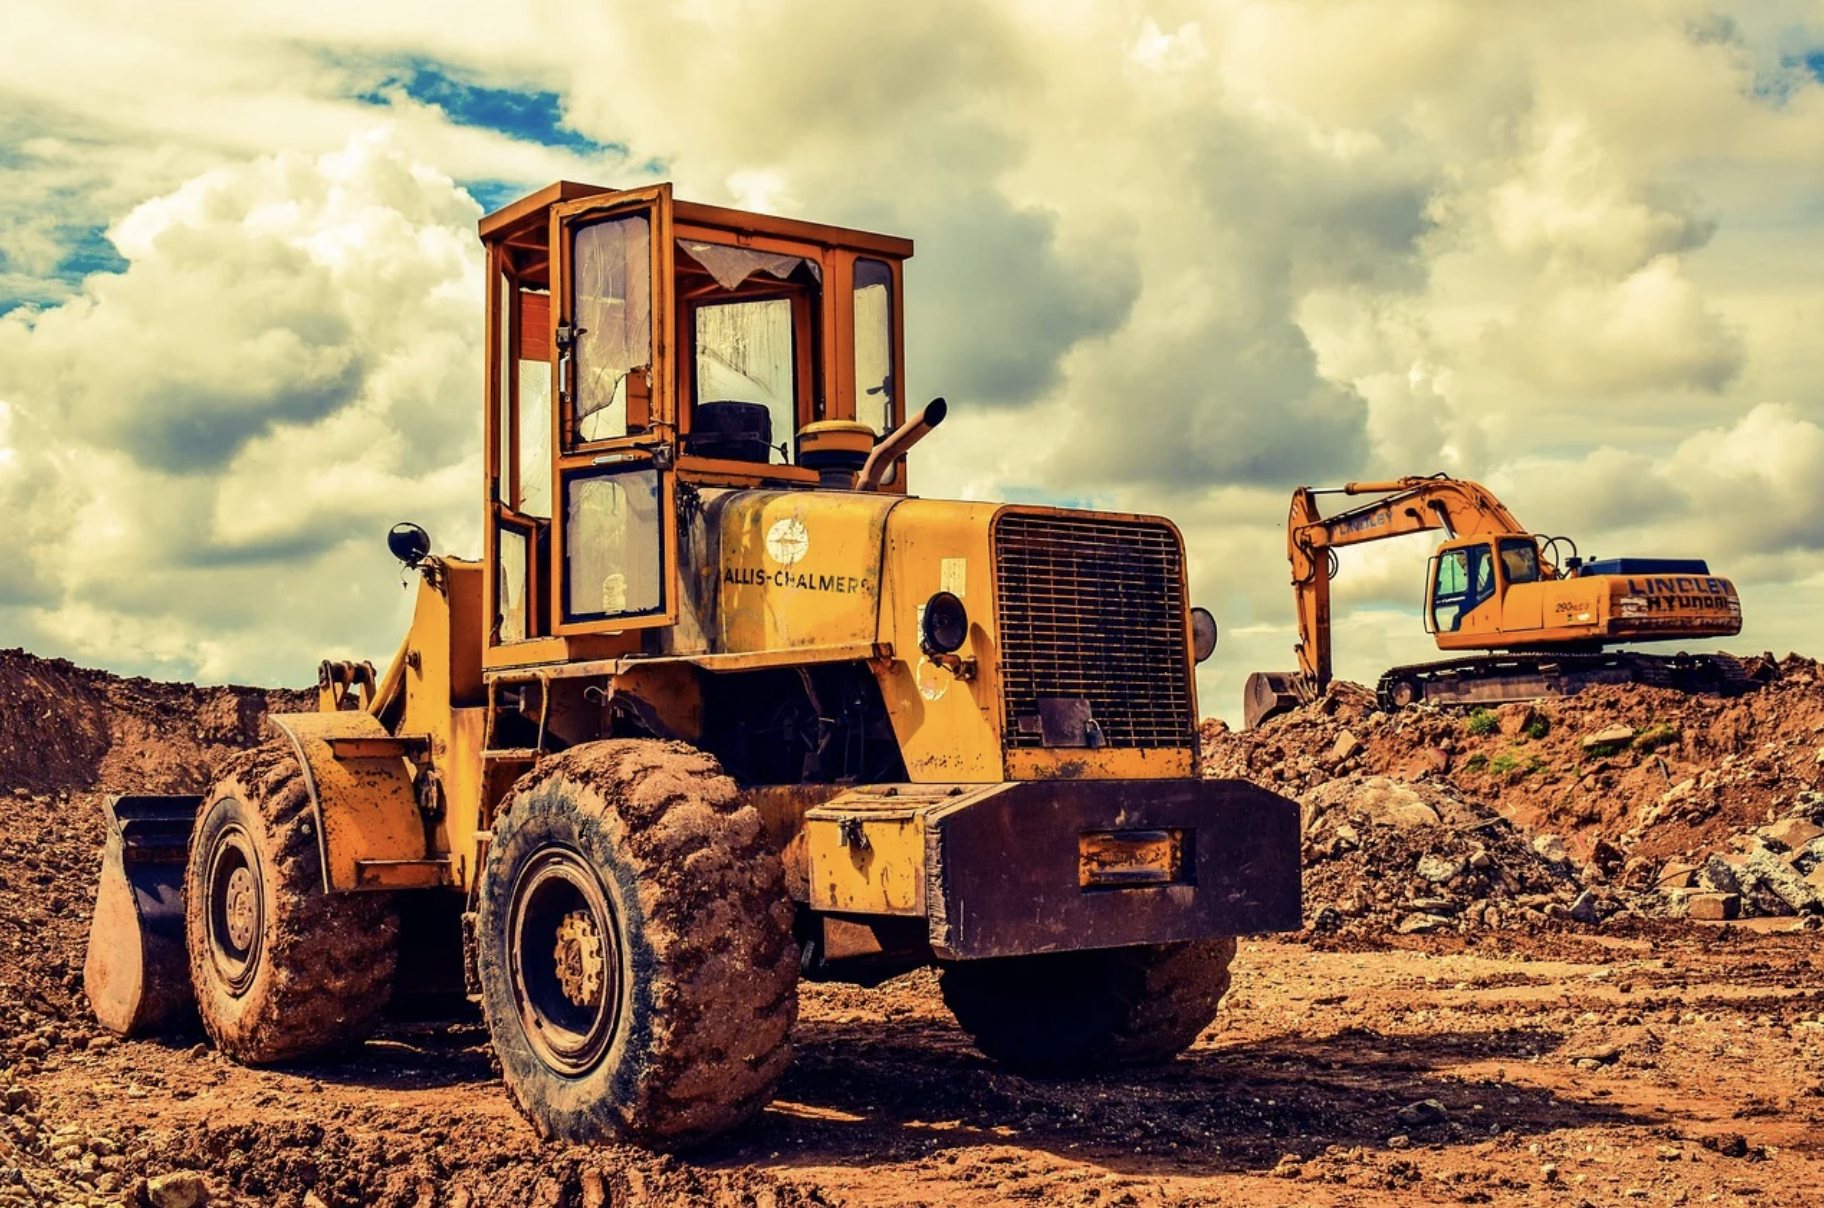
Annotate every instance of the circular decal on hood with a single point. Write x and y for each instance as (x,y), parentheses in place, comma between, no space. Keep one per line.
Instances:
(787,541)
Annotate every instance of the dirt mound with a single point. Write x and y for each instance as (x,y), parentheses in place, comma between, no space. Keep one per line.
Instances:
(1632,780)
(68,736)
(70,728)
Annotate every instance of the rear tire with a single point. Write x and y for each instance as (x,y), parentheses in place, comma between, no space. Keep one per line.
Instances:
(637,964)
(1073,1012)
(282,970)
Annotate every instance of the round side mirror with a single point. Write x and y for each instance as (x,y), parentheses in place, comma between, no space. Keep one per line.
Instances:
(409,543)
(1203,633)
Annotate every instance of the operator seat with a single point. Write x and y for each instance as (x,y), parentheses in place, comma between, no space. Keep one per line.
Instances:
(730,430)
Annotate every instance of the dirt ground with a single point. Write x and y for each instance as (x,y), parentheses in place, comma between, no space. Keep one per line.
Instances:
(1538,1061)
(1664,1069)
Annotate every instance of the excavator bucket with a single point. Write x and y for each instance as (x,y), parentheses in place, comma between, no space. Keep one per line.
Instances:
(1267,694)
(137,974)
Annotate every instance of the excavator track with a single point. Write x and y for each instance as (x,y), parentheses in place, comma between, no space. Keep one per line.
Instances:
(1499,678)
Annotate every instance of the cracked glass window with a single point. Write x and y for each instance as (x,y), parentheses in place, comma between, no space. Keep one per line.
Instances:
(612,553)
(744,354)
(874,344)
(612,309)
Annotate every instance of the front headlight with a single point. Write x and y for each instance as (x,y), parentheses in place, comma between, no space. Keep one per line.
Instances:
(1203,633)
(945,624)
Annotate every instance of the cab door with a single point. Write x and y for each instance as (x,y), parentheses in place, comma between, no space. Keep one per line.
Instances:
(615,411)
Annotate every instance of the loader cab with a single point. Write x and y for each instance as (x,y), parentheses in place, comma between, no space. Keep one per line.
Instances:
(640,349)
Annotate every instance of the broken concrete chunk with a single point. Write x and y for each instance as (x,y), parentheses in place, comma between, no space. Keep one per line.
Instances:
(1347,747)
(1766,876)
(1586,909)
(1551,849)
(1611,736)
(1789,834)
(1675,874)
(1718,876)
(1419,924)
(1439,869)
(1713,906)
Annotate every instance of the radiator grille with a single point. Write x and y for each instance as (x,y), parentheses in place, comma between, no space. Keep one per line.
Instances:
(1093,609)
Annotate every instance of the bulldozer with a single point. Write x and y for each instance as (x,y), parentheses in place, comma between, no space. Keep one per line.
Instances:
(721,706)
(1548,615)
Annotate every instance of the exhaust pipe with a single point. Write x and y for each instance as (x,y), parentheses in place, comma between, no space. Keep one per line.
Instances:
(137,972)
(894,445)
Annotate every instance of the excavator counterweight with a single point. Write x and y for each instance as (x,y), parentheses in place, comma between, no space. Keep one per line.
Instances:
(1540,618)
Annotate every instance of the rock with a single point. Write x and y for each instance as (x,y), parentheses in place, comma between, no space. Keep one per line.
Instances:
(1789,834)
(1775,884)
(1327,918)
(1585,910)
(1420,923)
(1718,876)
(1611,736)
(1551,849)
(1518,719)
(1730,1145)
(182,1189)
(1815,879)
(312,1200)
(1421,1114)
(1675,874)
(1398,1141)
(1347,746)
(1713,906)
(1809,856)
(1439,869)
(1348,836)
(1479,859)
(1437,759)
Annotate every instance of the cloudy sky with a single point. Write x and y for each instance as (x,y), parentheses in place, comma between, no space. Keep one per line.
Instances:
(1173,257)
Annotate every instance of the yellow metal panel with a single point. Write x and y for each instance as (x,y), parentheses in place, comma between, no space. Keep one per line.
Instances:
(459,766)
(866,857)
(800,568)
(1029,763)
(366,809)
(948,728)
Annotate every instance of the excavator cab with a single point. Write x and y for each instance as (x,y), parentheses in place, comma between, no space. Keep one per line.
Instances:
(1465,575)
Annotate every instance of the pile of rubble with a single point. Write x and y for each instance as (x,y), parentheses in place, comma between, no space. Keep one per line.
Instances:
(1381,854)
(1630,798)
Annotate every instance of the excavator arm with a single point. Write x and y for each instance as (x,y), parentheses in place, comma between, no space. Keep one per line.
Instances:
(1405,505)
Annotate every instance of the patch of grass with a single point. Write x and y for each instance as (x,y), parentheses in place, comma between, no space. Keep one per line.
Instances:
(1539,727)
(1663,734)
(1605,750)
(1514,767)
(1475,763)
(1482,723)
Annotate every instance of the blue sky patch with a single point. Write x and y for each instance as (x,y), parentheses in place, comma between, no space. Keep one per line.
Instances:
(531,115)
(491,195)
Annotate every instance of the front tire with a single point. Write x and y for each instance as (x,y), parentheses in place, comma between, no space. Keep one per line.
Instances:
(637,965)
(282,970)
(1075,1012)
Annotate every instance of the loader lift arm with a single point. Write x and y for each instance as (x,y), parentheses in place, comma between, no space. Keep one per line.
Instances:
(1408,505)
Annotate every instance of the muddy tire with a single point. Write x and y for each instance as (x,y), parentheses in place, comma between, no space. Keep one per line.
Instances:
(635,947)
(1074,1012)
(282,970)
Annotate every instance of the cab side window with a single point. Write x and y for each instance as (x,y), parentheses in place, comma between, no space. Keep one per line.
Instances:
(1450,589)
(1520,560)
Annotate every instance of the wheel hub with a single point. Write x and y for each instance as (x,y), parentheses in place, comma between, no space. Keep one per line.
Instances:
(579,958)
(243,908)
(563,955)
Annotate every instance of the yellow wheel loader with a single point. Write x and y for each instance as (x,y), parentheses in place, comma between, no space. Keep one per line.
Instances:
(720,706)
(1494,586)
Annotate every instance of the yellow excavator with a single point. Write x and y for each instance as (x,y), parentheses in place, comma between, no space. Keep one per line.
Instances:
(1544,616)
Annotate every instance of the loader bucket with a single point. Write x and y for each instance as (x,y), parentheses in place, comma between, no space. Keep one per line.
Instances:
(137,973)
(1267,694)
